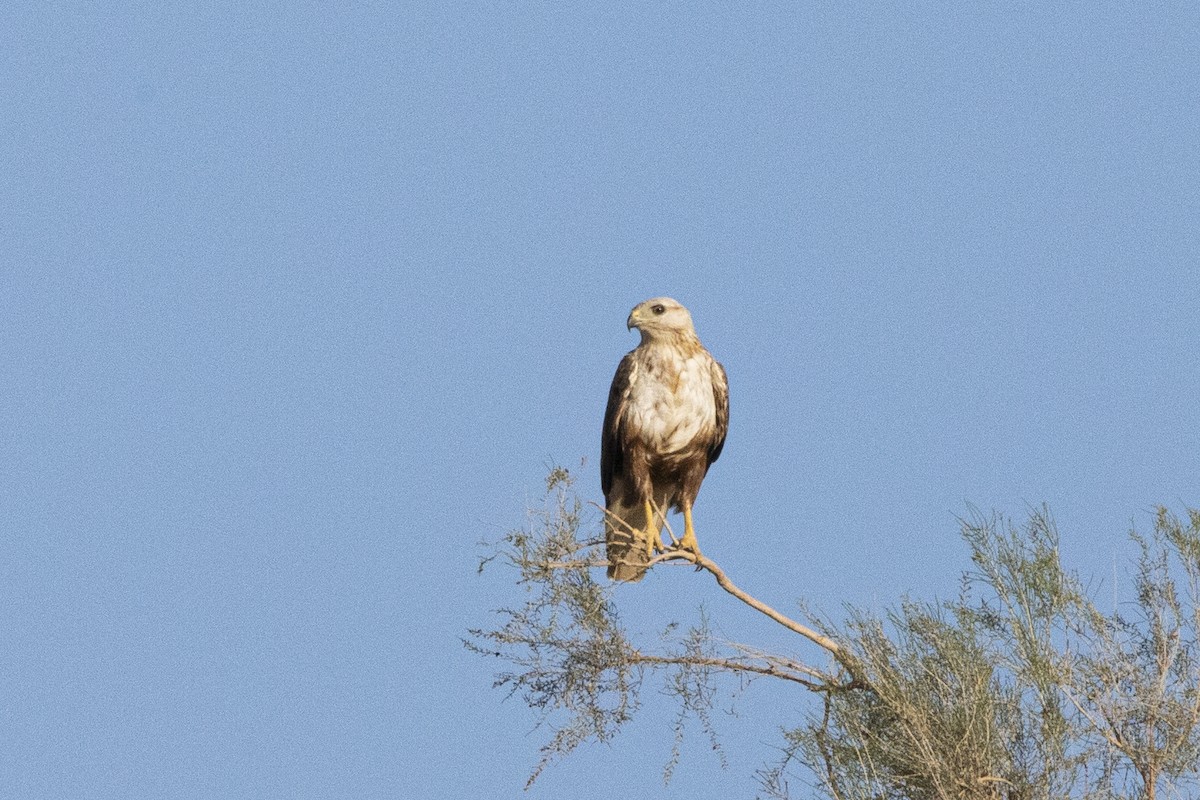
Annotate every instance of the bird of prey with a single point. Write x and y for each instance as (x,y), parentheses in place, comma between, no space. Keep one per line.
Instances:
(668,411)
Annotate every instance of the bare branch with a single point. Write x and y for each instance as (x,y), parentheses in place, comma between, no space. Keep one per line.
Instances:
(825,683)
(676,553)
(725,583)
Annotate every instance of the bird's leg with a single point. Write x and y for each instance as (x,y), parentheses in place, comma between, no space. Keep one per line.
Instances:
(688,542)
(652,542)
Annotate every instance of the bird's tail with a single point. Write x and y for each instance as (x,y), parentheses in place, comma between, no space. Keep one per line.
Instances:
(624,531)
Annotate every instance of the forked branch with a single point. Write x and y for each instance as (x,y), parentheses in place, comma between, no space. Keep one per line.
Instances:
(676,553)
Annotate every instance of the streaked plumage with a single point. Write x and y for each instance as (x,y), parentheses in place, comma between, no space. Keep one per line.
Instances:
(667,415)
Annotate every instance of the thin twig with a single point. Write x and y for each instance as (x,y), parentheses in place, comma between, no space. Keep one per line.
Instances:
(1110,737)
(781,661)
(734,666)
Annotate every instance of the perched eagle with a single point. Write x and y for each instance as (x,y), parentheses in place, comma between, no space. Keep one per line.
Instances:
(668,411)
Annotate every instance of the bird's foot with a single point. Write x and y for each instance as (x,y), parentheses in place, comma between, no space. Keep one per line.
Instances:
(688,542)
(689,533)
(653,543)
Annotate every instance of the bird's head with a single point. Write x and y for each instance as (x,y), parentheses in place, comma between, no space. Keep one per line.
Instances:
(661,318)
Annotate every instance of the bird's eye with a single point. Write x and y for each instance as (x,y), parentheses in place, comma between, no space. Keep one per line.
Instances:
(658,309)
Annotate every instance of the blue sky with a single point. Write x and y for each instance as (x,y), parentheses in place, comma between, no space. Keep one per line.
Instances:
(298,303)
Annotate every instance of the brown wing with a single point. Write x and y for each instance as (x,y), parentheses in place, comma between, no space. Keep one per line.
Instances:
(720,384)
(612,451)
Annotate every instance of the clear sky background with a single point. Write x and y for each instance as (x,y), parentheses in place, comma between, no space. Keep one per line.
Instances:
(299,302)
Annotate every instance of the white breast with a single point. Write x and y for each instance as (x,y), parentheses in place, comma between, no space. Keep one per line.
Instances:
(671,399)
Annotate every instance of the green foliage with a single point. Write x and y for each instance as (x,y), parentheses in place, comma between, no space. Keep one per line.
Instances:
(1021,688)
(958,699)
(697,661)
(1140,679)
(930,725)
(565,642)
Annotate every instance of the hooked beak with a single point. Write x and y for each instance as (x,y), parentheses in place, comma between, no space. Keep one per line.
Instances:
(630,323)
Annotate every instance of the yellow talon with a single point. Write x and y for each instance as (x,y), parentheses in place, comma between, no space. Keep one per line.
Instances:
(653,545)
(688,542)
